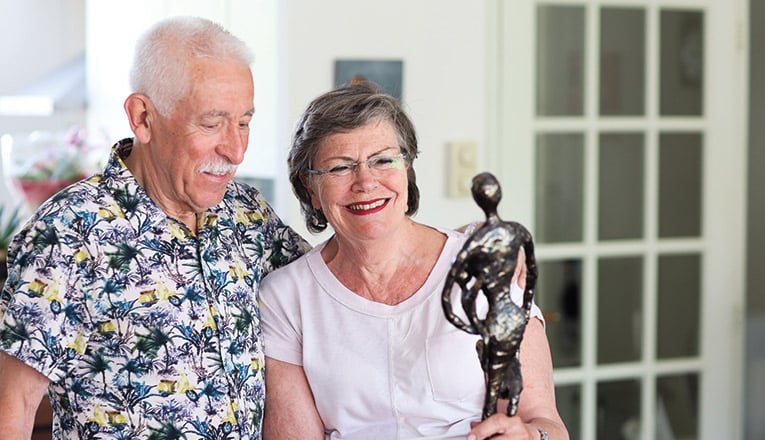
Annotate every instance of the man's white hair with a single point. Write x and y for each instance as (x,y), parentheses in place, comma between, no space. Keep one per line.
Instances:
(165,51)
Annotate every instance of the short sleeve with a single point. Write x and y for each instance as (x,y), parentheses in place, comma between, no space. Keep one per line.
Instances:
(45,323)
(280,313)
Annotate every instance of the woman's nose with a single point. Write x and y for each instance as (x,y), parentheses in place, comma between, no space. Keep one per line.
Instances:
(363,176)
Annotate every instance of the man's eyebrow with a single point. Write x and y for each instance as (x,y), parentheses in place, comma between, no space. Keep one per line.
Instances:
(223,113)
(215,114)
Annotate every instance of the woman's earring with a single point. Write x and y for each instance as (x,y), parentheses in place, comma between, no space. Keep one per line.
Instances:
(317,218)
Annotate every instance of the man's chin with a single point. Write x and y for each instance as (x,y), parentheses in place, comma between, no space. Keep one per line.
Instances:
(212,198)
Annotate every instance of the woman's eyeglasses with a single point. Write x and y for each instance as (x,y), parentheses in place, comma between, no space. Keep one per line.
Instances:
(377,163)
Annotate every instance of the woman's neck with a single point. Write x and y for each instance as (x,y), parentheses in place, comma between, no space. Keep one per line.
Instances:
(386,270)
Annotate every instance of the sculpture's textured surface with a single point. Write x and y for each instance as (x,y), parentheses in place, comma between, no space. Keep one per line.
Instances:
(486,265)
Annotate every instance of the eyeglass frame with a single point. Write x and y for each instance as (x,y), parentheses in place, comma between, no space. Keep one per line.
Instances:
(354,165)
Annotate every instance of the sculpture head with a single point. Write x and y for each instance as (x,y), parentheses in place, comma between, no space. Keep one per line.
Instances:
(487,193)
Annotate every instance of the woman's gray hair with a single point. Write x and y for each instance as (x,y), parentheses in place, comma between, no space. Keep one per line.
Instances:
(340,111)
(163,53)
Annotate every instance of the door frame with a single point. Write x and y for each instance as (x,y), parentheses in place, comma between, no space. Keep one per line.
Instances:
(510,155)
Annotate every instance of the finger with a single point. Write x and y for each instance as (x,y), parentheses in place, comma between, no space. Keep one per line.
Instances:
(494,427)
(502,426)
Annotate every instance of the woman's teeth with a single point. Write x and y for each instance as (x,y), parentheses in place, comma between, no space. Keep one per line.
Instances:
(366,206)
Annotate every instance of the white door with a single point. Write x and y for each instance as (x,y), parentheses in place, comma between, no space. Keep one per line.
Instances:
(618,132)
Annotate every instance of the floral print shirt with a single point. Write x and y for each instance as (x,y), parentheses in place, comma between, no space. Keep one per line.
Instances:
(145,329)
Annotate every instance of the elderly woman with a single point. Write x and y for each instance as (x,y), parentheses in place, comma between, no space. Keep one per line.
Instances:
(357,345)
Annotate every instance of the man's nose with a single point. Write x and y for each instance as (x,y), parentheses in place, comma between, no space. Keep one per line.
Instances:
(235,144)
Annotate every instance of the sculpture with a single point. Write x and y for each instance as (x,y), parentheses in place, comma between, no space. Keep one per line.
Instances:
(486,264)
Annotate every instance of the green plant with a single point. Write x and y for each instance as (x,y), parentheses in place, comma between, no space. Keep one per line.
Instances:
(9,225)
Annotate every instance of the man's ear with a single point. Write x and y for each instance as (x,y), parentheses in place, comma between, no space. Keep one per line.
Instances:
(140,111)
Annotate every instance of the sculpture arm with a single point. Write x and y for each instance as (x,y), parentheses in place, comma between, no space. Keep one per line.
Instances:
(290,408)
(525,278)
(457,275)
(526,271)
(21,390)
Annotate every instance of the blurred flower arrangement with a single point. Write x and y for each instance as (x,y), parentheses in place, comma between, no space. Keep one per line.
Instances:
(42,163)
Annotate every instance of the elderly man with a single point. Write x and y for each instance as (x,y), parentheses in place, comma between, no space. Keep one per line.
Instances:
(132,295)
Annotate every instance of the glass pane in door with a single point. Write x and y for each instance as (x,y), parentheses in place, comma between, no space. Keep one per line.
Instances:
(568,399)
(622,61)
(618,410)
(679,308)
(559,294)
(620,186)
(677,407)
(680,184)
(681,65)
(620,310)
(559,187)
(560,60)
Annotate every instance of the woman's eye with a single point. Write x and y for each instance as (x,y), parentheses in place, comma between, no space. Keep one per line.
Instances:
(340,169)
(381,162)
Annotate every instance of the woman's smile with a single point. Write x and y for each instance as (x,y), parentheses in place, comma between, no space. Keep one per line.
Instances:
(371,207)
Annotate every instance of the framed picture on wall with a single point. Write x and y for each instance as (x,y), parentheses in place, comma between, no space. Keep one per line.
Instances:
(386,74)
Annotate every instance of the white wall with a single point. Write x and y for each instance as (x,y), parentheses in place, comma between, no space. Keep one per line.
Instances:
(443,46)
(38,36)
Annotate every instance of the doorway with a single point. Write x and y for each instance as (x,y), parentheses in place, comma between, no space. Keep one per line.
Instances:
(627,120)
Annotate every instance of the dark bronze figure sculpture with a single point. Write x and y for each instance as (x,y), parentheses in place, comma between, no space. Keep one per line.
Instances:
(486,265)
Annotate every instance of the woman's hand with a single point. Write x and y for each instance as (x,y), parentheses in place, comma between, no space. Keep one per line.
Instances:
(501,426)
